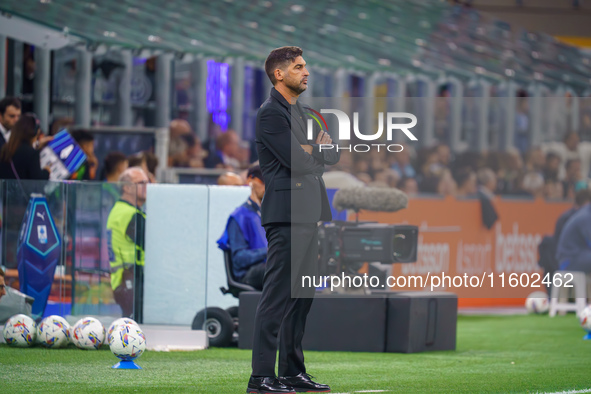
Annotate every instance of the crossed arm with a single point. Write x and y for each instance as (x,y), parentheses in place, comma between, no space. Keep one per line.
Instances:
(304,159)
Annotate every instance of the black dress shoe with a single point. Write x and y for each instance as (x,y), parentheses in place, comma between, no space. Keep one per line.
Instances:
(303,383)
(267,385)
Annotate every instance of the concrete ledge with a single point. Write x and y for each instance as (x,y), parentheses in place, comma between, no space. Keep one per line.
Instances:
(174,338)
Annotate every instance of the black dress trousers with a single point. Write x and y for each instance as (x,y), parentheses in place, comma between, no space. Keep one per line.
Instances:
(285,303)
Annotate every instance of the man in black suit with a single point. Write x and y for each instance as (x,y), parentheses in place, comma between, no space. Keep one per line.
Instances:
(10,113)
(295,200)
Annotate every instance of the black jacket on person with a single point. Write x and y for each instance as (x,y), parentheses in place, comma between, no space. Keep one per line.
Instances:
(547,248)
(294,188)
(26,163)
(487,209)
(2,140)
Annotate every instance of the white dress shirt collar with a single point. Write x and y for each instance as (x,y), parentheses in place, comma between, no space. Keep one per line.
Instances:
(5,133)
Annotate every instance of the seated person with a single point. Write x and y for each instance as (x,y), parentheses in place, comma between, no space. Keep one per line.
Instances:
(573,251)
(244,236)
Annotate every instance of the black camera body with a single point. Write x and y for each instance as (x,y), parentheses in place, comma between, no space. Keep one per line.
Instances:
(349,244)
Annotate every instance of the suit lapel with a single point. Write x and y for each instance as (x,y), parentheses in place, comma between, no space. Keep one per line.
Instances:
(300,129)
(295,112)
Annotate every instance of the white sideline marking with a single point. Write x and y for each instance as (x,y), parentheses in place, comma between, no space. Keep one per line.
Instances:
(367,391)
(557,392)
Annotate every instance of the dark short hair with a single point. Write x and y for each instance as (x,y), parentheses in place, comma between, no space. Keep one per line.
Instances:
(81,136)
(552,155)
(463,175)
(112,160)
(151,161)
(1,272)
(190,139)
(279,58)
(255,172)
(7,102)
(137,159)
(60,124)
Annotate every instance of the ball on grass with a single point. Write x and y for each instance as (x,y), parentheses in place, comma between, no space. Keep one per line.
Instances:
(20,331)
(123,320)
(585,318)
(53,332)
(88,333)
(128,342)
(537,302)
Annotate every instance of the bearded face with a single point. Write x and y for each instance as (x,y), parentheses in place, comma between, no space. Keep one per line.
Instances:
(296,76)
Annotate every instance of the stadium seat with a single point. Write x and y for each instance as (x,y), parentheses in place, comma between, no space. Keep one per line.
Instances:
(357,36)
(234,287)
(559,295)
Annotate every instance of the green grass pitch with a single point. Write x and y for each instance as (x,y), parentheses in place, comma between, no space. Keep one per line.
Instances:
(494,354)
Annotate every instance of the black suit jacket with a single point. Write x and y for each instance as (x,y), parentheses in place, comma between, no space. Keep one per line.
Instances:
(26,163)
(2,140)
(294,189)
(489,213)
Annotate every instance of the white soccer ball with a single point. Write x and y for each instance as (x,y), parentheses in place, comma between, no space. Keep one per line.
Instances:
(53,332)
(118,322)
(585,318)
(537,302)
(128,342)
(20,331)
(88,333)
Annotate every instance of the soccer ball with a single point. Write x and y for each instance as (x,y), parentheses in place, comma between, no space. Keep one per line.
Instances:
(537,302)
(20,330)
(118,322)
(88,333)
(128,342)
(585,318)
(53,332)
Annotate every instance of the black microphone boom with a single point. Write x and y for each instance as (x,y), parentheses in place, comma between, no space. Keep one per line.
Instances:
(370,198)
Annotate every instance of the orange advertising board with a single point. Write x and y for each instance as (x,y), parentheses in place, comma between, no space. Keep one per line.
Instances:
(455,246)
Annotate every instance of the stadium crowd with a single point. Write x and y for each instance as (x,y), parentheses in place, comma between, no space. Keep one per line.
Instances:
(553,171)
